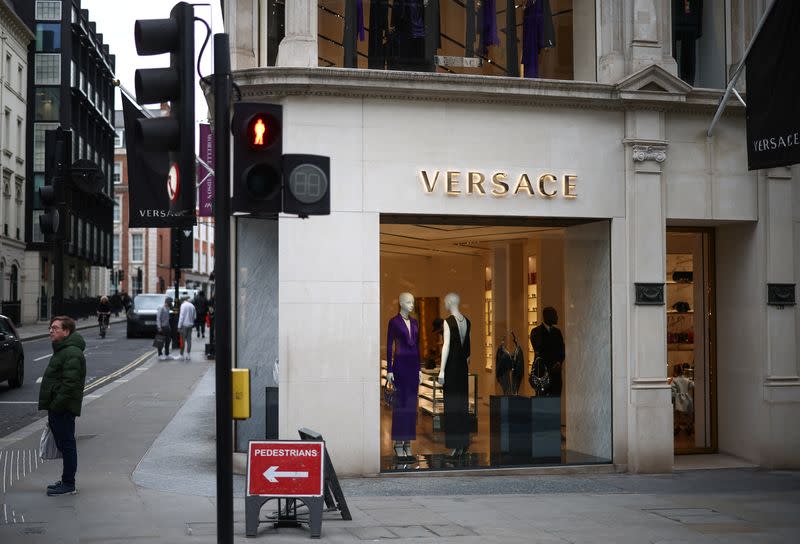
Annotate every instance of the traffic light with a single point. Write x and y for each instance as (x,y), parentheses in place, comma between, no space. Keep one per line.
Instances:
(257,156)
(58,152)
(267,182)
(120,275)
(173,133)
(307,188)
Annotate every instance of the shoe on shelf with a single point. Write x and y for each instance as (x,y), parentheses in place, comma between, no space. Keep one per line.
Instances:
(55,485)
(61,489)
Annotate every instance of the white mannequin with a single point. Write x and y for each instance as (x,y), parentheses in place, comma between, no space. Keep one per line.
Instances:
(451,302)
(406,301)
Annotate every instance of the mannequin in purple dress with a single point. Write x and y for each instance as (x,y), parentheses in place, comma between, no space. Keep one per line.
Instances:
(403,367)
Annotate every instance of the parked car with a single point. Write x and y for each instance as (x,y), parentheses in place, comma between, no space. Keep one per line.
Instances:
(12,356)
(142,316)
(184,292)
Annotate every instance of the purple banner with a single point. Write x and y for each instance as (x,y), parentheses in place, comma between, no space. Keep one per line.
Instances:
(206,178)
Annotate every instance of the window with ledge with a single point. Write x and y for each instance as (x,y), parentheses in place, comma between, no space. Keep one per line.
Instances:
(48,10)
(117,172)
(517,38)
(699,42)
(47,69)
(117,209)
(137,248)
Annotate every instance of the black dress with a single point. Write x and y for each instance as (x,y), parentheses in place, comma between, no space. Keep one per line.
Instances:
(456,388)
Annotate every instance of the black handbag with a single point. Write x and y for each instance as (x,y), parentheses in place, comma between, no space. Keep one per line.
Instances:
(158,341)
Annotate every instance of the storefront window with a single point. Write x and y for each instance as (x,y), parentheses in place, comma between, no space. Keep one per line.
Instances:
(517,38)
(514,320)
(690,323)
(698,42)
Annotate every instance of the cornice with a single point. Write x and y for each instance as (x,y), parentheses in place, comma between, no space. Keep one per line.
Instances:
(277,82)
(15,25)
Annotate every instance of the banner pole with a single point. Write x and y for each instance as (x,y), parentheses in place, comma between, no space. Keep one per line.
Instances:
(738,71)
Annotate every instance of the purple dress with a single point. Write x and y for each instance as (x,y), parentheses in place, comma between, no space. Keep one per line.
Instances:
(402,358)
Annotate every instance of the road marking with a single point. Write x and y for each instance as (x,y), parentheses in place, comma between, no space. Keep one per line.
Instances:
(43,357)
(39,379)
(18,402)
(106,379)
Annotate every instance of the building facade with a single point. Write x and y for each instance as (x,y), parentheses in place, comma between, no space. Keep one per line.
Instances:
(577,177)
(70,84)
(14,39)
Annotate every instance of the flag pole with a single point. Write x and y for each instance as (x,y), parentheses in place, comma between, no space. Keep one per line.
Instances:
(729,89)
(130,96)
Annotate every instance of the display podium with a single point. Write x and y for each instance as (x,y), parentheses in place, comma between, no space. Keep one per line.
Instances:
(524,430)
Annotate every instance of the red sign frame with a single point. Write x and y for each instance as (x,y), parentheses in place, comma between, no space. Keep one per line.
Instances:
(285,468)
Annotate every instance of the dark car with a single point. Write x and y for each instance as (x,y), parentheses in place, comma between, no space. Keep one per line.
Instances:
(142,315)
(12,357)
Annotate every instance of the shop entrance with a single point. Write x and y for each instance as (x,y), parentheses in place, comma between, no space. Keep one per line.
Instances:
(511,278)
(691,362)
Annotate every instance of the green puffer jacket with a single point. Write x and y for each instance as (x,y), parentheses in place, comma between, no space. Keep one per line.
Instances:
(62,383)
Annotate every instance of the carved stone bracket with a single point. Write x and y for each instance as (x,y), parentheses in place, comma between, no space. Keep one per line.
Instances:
(643,153)
(649,294)
(781,294)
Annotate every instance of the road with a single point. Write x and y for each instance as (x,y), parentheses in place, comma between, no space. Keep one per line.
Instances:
(104,356)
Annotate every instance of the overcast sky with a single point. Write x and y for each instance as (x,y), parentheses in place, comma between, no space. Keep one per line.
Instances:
(115,21)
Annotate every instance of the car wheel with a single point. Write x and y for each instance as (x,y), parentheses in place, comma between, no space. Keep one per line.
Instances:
(130,333)
(19,376)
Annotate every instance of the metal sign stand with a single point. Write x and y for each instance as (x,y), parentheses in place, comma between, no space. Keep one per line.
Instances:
(286,517)
(334,497)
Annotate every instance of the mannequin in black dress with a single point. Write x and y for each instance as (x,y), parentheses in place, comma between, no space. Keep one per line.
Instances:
(454,377)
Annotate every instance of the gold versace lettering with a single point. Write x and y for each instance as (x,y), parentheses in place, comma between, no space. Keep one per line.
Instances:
(569,186)
(452,182)
(547,178)
(524,184)
(473,183)
(429,187)
(500,186)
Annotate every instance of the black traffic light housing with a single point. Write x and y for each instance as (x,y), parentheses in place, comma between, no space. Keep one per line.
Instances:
(58,153)
(307,187)
(182,248)
(173,133)
(265,181)
(257,158)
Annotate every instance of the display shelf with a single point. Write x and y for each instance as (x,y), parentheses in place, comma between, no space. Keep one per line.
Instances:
(489,320)
(673,282)
(676,312)
(431,396)
(680,347)
(532,315)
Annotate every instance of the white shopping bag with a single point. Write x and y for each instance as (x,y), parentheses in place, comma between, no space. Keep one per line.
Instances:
(47,445)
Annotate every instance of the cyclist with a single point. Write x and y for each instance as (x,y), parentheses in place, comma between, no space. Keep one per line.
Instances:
(103,314)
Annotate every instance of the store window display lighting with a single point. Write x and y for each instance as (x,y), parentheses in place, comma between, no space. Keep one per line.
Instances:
(471,394)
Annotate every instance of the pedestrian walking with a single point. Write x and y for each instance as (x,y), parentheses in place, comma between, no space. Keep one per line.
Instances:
(162,323)
(61,394)
(201,306)
(185,325)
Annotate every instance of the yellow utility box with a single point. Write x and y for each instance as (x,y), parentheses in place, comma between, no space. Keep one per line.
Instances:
(241,393)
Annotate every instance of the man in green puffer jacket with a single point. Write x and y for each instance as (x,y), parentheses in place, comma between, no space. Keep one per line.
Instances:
(61,395)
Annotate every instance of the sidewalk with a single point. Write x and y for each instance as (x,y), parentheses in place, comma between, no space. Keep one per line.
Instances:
(41,329)
(147,473)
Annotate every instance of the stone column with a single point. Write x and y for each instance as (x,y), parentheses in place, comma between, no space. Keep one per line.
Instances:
(241,23)
(299,47)
(781,379)
(650,410)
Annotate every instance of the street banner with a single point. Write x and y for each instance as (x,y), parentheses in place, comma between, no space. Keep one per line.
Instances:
(206,178)
(773,84)
(147,178)
(285,468)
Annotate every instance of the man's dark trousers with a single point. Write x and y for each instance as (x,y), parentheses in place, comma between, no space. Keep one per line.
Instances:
(62,425)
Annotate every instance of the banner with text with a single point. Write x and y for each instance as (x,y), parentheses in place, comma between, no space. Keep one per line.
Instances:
(206,178)
(147,178)
(773,81)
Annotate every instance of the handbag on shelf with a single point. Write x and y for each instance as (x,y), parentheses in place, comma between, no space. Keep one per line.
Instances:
(388,393)
(47,445)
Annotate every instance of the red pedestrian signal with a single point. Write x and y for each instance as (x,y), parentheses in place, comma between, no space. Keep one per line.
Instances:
(259,128)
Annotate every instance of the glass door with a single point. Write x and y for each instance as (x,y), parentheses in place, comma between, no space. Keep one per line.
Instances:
(690,338)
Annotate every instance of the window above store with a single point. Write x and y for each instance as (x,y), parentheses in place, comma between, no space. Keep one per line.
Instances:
(516,38)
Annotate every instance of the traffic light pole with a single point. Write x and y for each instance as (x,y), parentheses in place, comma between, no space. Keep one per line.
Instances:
(222,266)
(58,278)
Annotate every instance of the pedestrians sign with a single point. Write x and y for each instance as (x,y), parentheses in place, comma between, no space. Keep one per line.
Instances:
(285,468)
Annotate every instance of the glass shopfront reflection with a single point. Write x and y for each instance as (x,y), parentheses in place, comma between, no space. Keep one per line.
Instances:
(495,347)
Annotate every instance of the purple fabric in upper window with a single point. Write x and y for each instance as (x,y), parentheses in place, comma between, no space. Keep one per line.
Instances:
(488,25)
(532,37)
(360,18)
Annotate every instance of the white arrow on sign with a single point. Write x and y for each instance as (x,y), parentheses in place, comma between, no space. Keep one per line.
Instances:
(272,474)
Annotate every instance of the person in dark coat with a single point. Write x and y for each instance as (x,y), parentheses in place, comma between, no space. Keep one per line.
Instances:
(548,344)
(61,394)
(201,306)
